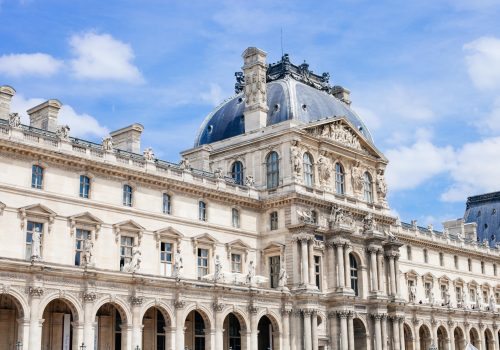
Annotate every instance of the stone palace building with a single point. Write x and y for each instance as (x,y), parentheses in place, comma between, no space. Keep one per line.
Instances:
(273,232)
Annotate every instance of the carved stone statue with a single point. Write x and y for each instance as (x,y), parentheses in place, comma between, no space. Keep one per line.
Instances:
(283,277)
(14,120)
(184,164)
(432,300)
(296,159)
(62,132)
(305,215)
(324,170)
(249,181)
(218,269)
(357,178)
(107,144)
(135,263)
(381,184)
(218,173)
(413,293)
(36,241)
(493,304)
(368,223)
(88,246)
(251,273)
(464,299)
(340,217)
(149,155)
(176,272)
(478,300)
(446,300)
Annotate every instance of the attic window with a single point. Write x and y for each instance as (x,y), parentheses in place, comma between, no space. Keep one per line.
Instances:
(485,226)
(493,211)
(240,99)
(276,107)
(210,128)
(304,107)
(360,128)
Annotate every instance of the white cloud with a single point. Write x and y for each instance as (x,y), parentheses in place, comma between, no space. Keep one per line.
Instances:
(214,96)
(102,57)
(491,123)
(483,62)
(40,64)
(81,125)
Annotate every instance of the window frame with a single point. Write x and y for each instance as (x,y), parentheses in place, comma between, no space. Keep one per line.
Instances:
(354,274)
(126,259)
(206,258)
(202,211)
(339,179)
(367,187)
(235,217)
(273,220)
(82,192)
(79,250)
(308,169)
(238,175)
(166,205)
(127,195)
(274,262)
(238,263)
(37,177)
(272,170)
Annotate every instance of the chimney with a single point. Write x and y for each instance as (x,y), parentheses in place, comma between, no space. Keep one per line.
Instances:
(342,94)
(255,91)
(44,116)
(128,138)
(6,93)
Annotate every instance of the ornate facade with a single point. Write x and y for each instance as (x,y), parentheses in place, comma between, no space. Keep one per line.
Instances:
(273,232)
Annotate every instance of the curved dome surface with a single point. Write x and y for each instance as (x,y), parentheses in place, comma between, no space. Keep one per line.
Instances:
(287,99)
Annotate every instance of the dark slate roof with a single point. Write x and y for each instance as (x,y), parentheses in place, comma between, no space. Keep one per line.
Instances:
(293,92)
(484,210)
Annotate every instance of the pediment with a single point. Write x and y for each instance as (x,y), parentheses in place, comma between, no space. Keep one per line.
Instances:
(169,233)
(458,281)
(238,243)
(274,246)
(205,237)
(444,279)
(411,274)
(86,218)
(473,283)
(128,225)
(341,132)
(428,276)
(38,210)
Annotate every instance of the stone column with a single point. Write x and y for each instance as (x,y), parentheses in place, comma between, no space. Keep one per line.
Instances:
(23,334)
(402,333)
(396,276)
(392,275)
(381,272)
(88,319)
(451,333)
(296,262)
(495,336)
(384,331)
(219,324)
(416,338)
(332,273)
(136,321)
(344,336)
(395,333)
(35,338)
(179,324)
(314,330)
(310,245)
(307,329)
(350,330)
(373,269)
(482,338)
(285,314)
(332,317)
(378,331)
(347,266)
(340,264)
(304,259)
(253,328)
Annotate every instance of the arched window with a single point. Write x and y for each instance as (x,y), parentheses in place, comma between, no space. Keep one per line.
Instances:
(36,176)
(339,178)
(127,195)
(272,167)
(84,186)
(237,172)
(202,211)
(167,204)
(354,274)
(308,170)
(367,187)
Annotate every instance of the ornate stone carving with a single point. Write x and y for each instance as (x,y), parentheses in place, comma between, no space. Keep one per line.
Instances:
(324,170)
(251,273)
(88,247)
(381,184)
(62,132)
(89,296)
(149,155)
(217,306)
(283,277)
(357,178)
(450,323)
(35,291)
(249,181)
(184,164)
(415,321)
(136,300)
(107,144)
(296,158)
(368,223)
(179,304)
(337,132)
(135,263)
(378,316)
(178,266)
(36,242)
(305,215)
(341,217)
(14,120)
(255,88)
(218,173)
(252,308)
(217,269)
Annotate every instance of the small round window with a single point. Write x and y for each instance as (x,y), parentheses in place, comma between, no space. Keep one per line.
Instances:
(210,129)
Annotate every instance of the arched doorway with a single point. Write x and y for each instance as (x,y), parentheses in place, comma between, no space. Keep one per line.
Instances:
(474,337)
(425,337)
(442,338)
(459,339)
(408,337)
(10,312)
(194,335)
(154,332)
(359,334)
(488,339)
(266,330)
(232,333)
(57,329)
(109,332)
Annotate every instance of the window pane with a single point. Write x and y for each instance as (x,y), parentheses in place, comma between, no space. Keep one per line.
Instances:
(272,169)
(237,172)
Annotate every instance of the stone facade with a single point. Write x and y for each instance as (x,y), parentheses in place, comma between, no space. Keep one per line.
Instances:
(293,248)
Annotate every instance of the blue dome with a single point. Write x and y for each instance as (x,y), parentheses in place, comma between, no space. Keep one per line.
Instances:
(484,210)
(287,99)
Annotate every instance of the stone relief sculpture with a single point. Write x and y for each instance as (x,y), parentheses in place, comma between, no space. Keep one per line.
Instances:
(305,216)
(492,304)
(357,178)
(251,273)
(135,263)
(218,173)
(464,299)
(446,300)
(381,184)
(62,132)
(413,293)
(478,301)
(255,89)
(14,120)
(36,242)
(107,144)
(324,170)
(184,164)
(283,277)
(368,223)
(149,155)
(88,246)
(176,272)
(249,181)
(338,132)
(340,217)
(218,269)
(296,159)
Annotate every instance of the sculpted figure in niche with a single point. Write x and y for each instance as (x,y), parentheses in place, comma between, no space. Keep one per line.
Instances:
(88,245)
(135,263)
(341,217)
(381,184)
(357,177)
(36,242)
(464,299)
(305,216)
(368,223)
(296,159)
(283,276)
(446,300)
(324,170)
(413,293)
(251,273)
(218,269)
(478,301)
(493,304)
(176,272)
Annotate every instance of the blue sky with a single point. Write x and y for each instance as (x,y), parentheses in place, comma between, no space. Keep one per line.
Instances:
(423,75)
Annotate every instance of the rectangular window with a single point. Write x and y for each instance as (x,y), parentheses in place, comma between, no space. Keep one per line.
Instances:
(428,289)
(274,270)
(273,219)
(320,238)
(36,176)
(202,262)
(32,226)
(81,237)
(458,294)
(84,186)
(408,253)
(443,291)
(236,263)
(317,271)
(126,245)
(166,258)
(472,294)
(455,259)
(127,195)
(166,204)
(482,267)
(235,214)
(202,211)
(441,259)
